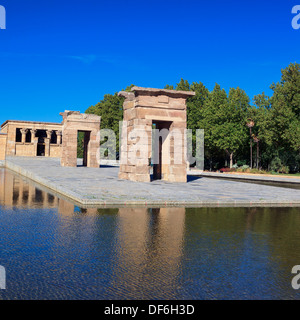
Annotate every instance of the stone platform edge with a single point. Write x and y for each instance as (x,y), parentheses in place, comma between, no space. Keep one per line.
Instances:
(88,203)
(259,178)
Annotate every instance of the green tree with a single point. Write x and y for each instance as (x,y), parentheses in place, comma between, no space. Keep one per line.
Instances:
(231,132)
(286,107)
(183,85)
(169,87)
(209,120)
(263,129)
(195,105)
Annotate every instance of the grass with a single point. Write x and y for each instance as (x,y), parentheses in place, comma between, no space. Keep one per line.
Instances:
(263,172)
(286,174)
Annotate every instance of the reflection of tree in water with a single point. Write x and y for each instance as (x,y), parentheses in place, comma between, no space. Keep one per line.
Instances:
(250,249)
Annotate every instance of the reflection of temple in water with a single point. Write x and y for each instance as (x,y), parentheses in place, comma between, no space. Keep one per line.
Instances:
(150,249)
(148,246)
(16,191)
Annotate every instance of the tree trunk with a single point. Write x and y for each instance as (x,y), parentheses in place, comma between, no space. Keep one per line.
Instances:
(231,160)
(257,156)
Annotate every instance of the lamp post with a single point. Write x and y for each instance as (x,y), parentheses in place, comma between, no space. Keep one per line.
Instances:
(250,124)
(256,139)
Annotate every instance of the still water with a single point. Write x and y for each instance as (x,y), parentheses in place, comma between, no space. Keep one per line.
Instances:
(52,249)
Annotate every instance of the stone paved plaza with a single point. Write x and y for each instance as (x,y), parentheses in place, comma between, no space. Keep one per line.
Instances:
(101,187)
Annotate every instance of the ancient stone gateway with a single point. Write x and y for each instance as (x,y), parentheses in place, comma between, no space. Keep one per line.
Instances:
(144,110)
(3,139)
(73,123)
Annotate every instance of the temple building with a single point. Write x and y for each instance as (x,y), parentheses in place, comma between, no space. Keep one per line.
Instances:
(31,139)
(55,140)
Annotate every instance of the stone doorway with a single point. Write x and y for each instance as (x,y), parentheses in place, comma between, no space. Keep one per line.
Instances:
(159,154)
(73,123)
(41,135)
(165,109)
(85,144)
(41,149)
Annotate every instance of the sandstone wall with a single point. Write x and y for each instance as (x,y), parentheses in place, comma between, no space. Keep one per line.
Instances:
(3,140)
(55,151)
(25,150)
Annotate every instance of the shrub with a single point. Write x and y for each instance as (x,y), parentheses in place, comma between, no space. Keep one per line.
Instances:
(276,164)
(263,172)
(258,171)
(241,163)
(244,167)
(225,170)
(233,170)
(284,169)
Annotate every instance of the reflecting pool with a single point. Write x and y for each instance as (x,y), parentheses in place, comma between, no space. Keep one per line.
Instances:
(52,249)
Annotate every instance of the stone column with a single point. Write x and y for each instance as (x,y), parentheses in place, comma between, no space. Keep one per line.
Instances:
(34,140)
(59,136)
(24,132)
(49,134)
(33,133)
(47,143)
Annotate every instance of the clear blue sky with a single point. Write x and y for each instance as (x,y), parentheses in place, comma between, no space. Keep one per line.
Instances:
(66,54)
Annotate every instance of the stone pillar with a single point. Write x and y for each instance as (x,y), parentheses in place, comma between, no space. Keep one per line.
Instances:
(47,143)
(33,133)
(24,132)
(135,149)
(177,171)
(59,136)
(49,134)
(34,140)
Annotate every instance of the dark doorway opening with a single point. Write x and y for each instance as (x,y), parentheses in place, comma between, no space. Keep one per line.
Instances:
(41,135)
(157,167)
(41,150)
(18,135)
(53,138)
(83,146)
(28,137)
(157,146)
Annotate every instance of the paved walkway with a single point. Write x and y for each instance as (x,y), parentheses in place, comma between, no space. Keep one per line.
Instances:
(101,187)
